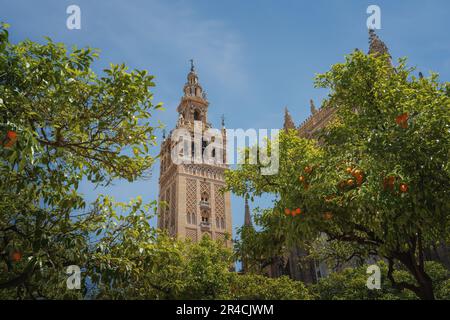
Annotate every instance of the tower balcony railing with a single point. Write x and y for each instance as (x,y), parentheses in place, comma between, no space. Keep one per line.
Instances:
(205,204)
(205,225)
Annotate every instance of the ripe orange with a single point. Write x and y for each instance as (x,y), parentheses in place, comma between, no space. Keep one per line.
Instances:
(356,173)
(349,170)
(287,211)
(16,256)
(11,139)
(359,179)
(403,188)
(402,120)
(11,135)
(350,182)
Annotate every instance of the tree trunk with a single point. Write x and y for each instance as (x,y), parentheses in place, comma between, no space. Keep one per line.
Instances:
(425,284)
(424,290)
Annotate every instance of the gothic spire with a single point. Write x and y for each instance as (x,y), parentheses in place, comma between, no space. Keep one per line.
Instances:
(312,106)
(376,46)
(288,122)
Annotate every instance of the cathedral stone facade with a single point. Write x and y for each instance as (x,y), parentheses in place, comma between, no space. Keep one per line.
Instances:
(191,197)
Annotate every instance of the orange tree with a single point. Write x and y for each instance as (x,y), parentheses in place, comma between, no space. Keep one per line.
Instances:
(61,124)
(378,179)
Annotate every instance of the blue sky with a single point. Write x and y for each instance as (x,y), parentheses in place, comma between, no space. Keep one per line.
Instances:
(253,57)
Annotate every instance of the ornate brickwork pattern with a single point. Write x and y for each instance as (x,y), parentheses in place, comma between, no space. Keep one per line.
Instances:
(191,234)
(205,188)
(219,203)
(161,212)
(220,236)
(191,199)
(172,229)
(167,209)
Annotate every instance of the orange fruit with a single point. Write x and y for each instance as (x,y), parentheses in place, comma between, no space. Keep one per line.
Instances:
(403,188)
(298,211)
(402,120)
(11,135)
(349,170)
(359,180)
(356,172)
(9,144)
(350,182)
(11,139)
(308,169)
(16,256)
(287,211)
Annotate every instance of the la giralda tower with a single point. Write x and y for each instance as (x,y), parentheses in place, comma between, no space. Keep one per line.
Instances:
(192,201)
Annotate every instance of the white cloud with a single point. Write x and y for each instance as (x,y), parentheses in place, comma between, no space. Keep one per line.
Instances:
(182,34)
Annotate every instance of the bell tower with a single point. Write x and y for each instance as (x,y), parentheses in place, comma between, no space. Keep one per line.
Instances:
(191,201)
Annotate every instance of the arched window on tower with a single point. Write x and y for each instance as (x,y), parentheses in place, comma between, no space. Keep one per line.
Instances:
(189,218)
(197,115)
(222,223)
(205,216)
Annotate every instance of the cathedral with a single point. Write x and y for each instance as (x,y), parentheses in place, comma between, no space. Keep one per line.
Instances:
(192,203)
